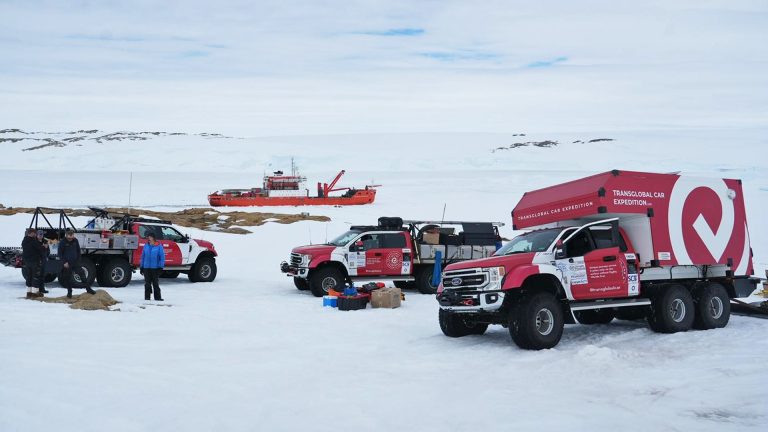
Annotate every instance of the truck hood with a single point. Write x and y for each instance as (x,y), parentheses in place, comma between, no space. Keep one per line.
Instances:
(507,261)
(314,249)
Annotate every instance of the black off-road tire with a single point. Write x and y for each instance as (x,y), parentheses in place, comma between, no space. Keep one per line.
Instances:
(301,283)
(631,313)
(424,280)
(50,277)
(204,270)
(459,325)
(170,274)
(672,310)
(594,316)
(713,306)
(320,281)
(536,322)
(115,273)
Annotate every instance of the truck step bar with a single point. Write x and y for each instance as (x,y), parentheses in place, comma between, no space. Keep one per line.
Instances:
(382,278)
(609,304)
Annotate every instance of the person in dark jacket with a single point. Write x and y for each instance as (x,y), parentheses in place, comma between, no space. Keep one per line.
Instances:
(32,254)
(40,278)
(69,254)
(152,263)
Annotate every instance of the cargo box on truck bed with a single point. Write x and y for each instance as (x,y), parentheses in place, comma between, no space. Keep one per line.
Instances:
(671,220)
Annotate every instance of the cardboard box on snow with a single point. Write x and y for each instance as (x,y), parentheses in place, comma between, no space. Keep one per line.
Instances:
(386,298)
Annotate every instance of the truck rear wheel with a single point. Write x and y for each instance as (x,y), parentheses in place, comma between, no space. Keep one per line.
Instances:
(115,273)
(713,306)
(458,325)
(324,279)
(594,316)
(50,277)
(672,310)
(537,322)
(301,283)
(204,270)
(424,280)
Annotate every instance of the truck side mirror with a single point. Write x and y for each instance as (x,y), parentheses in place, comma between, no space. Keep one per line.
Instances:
(559,249)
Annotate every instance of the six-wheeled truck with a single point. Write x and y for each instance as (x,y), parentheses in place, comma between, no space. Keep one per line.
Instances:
(404,252)
(630,245)
(111,249)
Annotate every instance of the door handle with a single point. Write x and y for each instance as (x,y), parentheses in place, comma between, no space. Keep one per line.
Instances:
(609,258)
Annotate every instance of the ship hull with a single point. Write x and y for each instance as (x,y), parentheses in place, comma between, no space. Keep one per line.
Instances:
(361,197)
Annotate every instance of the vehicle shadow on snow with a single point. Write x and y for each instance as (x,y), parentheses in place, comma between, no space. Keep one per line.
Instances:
(574,335)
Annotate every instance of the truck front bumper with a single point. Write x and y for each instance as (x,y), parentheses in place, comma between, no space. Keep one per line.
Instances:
(294,271)
(470,301)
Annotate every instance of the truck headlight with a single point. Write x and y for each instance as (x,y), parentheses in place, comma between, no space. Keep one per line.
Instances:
(496,274)
(306,259)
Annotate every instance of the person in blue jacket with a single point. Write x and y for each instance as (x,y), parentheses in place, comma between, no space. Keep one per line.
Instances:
(152,263)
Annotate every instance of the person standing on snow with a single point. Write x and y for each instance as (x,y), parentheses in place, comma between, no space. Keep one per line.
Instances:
(40,277)
(32,253)
(152,263)
(69,254)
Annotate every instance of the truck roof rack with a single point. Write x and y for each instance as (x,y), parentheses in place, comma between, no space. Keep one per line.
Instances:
(433,222)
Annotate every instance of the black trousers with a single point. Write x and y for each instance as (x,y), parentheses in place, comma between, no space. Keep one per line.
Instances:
(65,278)
(152,280)
(31,272)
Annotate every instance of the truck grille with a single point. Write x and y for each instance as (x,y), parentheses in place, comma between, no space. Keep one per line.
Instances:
(295,259)
(471,278)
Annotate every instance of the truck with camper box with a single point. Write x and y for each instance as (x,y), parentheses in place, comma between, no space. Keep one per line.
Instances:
(402,252)
(668,248)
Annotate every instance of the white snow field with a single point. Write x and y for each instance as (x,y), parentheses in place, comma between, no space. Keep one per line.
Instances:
(250,352)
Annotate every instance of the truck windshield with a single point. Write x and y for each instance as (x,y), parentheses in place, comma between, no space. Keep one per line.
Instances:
(534,241)
(344,238)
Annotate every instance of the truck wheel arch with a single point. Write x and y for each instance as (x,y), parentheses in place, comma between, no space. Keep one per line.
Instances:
(544,282)
(329,263)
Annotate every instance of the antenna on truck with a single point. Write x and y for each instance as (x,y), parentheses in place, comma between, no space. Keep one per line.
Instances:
(443,219)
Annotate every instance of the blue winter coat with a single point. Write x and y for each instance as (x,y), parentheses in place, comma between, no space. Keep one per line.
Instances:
(153,256)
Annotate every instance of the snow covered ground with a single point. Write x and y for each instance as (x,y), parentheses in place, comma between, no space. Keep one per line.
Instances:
(250,352)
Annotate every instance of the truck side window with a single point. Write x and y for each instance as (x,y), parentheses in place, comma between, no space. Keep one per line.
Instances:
(603,240)
(371,241)
(579,245)
(171,234)
(145,230)
(392,241)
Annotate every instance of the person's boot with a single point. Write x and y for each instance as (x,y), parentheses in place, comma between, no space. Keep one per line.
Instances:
(29,294)
(147,293)
(158,297)
(90,290)
(69,293)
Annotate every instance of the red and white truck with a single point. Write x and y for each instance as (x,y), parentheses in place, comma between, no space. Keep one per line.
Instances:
(628,245)
(111,249)
(403,252)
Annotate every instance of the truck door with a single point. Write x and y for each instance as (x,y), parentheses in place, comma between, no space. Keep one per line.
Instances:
(383,254)
(178,245)
(594,265)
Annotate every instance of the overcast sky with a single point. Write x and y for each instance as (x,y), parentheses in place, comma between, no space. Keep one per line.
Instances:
(327,66)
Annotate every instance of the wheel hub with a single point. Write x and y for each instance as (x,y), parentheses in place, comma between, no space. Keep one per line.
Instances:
(328,283)
(545,322)
(716,307)
(205,271)
(677,310)
(117,274)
